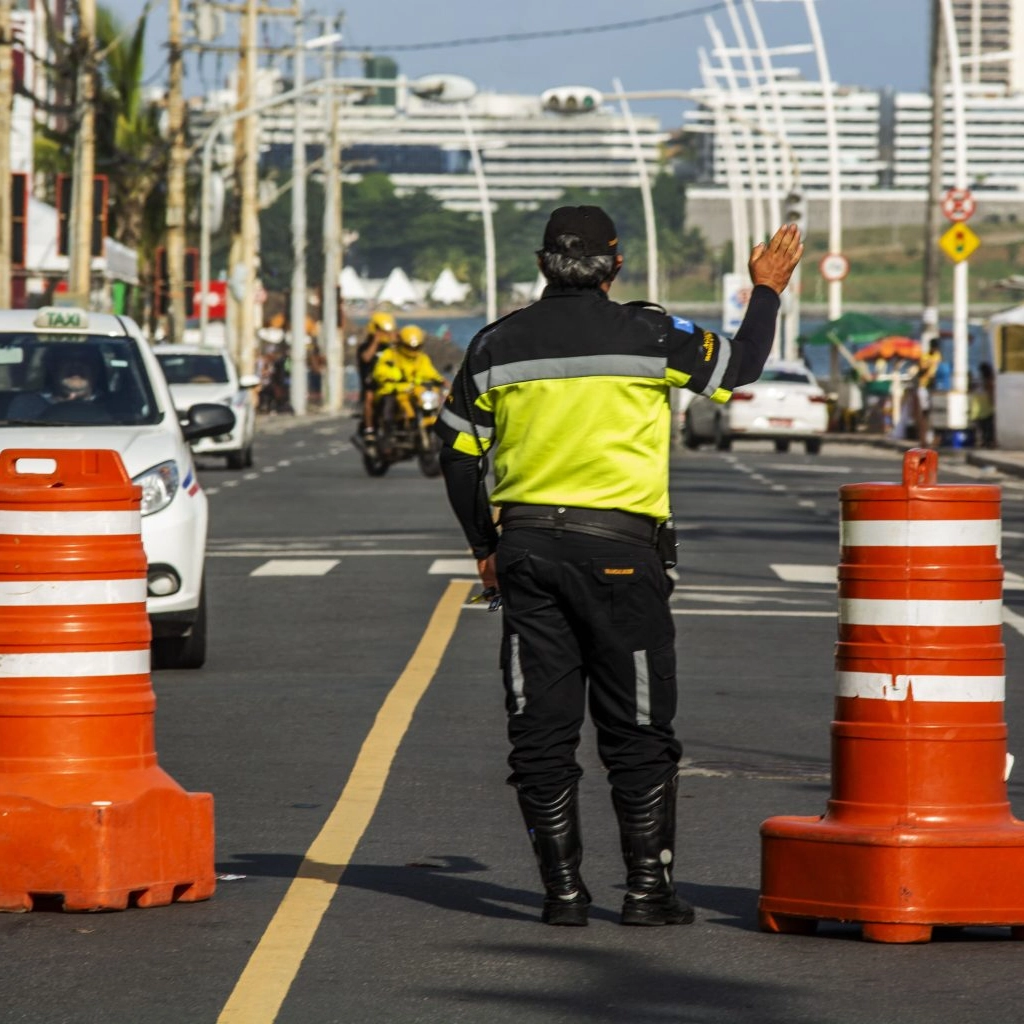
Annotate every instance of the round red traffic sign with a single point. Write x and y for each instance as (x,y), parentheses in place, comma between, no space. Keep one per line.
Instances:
(834,267)
(958,204)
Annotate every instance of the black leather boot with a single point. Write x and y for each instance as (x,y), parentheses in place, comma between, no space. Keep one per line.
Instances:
(554,828)
(647,825)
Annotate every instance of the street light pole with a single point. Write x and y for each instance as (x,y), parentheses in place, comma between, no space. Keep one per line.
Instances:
(957,400)
(80,222)
(645,193)
(490,259)
(298,383)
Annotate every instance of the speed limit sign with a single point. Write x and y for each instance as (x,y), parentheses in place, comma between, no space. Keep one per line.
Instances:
(834,267)
(958,204)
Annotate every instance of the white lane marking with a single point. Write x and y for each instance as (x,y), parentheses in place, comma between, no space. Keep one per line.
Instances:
(712,589)
(295,567)
(796,467)
(738,598)
(937,689)
(453,567)
(1013,581)
(70,524)
(75,664)
(269,469)
(805,573)
(251,476)
(344,553)
(1012,619)
(230,483)
(71,592)
(1014,534)
(854,611)
(807,504)
(766,613)
(918,533)
(211,490)
(284,462)
(779,487)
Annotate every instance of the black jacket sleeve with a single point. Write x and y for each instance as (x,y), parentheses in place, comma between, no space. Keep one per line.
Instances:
(752,343)
(468,497)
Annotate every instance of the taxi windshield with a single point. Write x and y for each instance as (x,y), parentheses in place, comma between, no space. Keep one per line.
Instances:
(193,368)
(78,379)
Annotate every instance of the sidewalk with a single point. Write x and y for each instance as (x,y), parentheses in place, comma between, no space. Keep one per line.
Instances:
(1009,463)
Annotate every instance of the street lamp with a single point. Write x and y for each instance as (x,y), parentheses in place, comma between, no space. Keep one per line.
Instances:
(459,91)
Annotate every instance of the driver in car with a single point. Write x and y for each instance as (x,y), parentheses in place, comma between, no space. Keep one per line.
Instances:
(72,378)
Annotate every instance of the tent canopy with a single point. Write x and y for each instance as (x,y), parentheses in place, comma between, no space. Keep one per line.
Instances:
(398,290)
(353,287)
(448,289)
(855,329)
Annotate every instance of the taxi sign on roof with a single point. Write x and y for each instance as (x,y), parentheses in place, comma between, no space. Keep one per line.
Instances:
(62,318)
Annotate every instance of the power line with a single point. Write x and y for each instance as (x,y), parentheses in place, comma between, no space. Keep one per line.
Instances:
(578,30)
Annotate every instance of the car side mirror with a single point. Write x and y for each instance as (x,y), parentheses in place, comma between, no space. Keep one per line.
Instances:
(248,380)
(207,419)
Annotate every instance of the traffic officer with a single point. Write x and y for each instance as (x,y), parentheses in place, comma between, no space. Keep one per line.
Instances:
(572,393)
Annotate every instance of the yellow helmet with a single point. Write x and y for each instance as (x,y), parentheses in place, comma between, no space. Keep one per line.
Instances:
(411,337)
(382,323)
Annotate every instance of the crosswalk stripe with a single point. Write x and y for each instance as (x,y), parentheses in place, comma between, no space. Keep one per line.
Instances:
(296,567)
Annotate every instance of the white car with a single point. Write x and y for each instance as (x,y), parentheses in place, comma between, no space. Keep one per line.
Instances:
(72,379)
(784,404)
(207,374)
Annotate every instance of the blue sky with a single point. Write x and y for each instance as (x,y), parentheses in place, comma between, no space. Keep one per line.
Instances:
(871,43)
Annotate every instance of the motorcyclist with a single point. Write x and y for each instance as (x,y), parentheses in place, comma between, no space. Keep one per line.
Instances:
(380,332)
(399,366)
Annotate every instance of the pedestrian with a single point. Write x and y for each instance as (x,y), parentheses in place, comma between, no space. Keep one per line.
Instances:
(573,393)
(983,405)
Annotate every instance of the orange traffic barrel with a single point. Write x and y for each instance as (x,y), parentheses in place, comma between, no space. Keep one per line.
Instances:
(90,820)
(918,831)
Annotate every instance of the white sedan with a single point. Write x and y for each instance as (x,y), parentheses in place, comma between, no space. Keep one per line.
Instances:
(199,373)
(76,380)
(784,404)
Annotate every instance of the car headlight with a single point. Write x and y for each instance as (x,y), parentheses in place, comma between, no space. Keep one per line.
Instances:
(159,485)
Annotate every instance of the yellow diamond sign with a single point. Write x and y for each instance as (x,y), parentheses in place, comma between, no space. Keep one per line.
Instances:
(959,242)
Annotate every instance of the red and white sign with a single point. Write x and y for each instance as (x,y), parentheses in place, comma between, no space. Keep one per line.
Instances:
(834,267)
(958,204)
(216,303)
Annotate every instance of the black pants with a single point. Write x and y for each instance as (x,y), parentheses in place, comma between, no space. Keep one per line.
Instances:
(582,610)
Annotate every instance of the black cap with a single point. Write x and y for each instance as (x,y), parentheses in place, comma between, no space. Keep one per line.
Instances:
(590,224)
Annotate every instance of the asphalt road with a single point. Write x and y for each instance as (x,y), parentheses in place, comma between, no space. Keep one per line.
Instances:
(417,900)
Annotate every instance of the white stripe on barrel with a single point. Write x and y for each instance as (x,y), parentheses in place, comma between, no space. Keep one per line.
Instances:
(70,524)
(920,533)
(858,611)
(74,664)
(935,689)
(32,593)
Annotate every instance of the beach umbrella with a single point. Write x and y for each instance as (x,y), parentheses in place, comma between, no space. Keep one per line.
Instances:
(893,346)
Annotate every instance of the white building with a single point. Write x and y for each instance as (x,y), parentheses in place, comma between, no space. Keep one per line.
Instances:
(530,155)
(991,38)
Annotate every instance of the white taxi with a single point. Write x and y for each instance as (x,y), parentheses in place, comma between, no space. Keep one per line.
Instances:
(72,379)
(784,404)
(205,373)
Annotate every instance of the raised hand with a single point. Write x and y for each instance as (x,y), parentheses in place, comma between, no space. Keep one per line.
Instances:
(773,263)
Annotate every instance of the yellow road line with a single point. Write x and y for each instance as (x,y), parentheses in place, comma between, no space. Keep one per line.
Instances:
(264,984)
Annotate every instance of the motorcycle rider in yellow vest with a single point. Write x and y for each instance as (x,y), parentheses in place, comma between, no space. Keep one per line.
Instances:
(399,370)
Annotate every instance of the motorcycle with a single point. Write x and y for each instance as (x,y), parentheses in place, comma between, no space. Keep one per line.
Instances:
(404,430)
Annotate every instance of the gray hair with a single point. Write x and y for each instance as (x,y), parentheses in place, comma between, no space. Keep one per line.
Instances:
(567,271)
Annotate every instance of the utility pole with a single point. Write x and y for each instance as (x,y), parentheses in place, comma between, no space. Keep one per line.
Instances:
(242,259)
(175,247)
(80,222)
(6,108)
(298,385)
(933,219)
(333,347)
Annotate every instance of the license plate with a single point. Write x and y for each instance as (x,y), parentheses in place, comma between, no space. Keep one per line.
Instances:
(775,421)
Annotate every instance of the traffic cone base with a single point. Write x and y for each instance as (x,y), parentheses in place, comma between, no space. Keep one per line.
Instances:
(916,878)
(150,851)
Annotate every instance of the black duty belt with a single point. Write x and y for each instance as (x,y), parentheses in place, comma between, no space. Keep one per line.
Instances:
(598,522)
